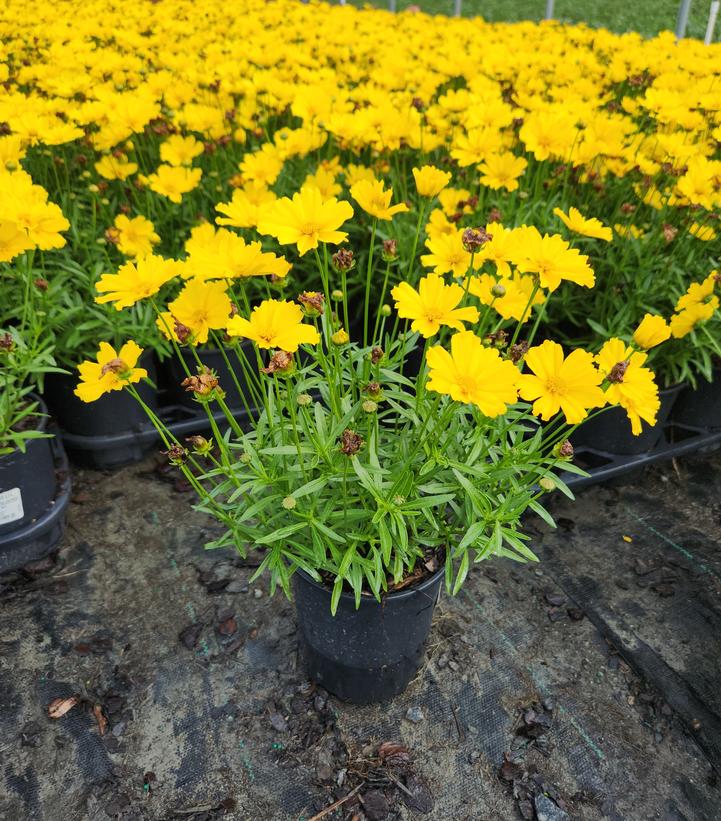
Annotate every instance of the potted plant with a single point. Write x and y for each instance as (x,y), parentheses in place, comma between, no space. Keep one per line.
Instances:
(366,490)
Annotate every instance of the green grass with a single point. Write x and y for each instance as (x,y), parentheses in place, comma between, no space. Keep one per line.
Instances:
(646,16)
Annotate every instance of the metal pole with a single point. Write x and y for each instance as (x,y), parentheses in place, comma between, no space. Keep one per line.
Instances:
(682,19)
(712,15)
(457,8)
(392,5)
(549,9)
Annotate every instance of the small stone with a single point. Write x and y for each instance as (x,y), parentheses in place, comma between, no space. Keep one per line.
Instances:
(258,593)
(277,722)
(237,586)
(415,715)
(442,661)
(575,613)
(556,599)
(547,810)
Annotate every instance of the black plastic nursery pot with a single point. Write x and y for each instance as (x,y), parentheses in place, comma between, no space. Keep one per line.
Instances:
(173,374)
(610,431)
(700,407)
(369,654)
(34,495)
(102,421)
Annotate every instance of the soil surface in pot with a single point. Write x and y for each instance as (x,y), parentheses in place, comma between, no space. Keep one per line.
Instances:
(177,689)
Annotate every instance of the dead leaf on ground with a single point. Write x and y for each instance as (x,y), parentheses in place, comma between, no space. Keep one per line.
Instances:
(100,718)
(59,706)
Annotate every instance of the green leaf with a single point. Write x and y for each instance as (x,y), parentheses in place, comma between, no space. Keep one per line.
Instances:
(313,486)
(335,596)
(542,512)
(281,533)
(462,573)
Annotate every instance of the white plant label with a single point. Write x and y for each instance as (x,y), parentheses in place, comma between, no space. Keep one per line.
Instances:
(11,506)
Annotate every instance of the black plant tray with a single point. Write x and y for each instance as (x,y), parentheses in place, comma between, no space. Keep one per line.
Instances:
(111,451)
(677,440)
(40,537)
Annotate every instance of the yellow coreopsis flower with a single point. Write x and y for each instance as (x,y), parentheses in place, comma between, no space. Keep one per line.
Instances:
(502,170)
(135,281)
(246,206)
(13,241)
(447,254)
(432,305)
(586,226)
(703,232)
(221,254)
(685,321)
(173,181)
(134,237)
(306,219)
(430,181)
(472,374)
(178,150)
(631,385)
(700,293)
(375,200)
(552,259)
(569,385)
(508,295)
(652,331)
(111,371)
(115,168)
(201,307)
(275,324)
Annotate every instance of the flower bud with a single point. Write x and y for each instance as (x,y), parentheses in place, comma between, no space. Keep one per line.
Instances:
(373,389)
(289,503)
(340,337)
(498,290)
(390,250)
(245,458)
(304,399)
(312,303)
(547,483)
(200,445)
(7,344)
(385,310)
(369,406)
(337,295)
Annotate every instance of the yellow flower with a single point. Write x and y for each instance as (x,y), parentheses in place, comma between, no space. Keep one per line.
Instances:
(136,236)
(652,331)
(432,305)
(703,232)
(700,293)
(13,241)
(374,200)
(502,170)
(430,181)
(306,219)
(587,227)
(438,224)
(246,206)
(115,168)
(275,324)
(631,385)
(472,374)
(627,231)
(447,254)
(324,181)
(570,385)
(356,173)
(201,307)
(552,259)
(178,150)
(110,372)
(262,167)
(509,296)
(135,281)
(221,254)
(173,181)
(685,321)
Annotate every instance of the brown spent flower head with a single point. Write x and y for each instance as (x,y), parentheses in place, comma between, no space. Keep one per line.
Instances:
(350,442)
(374,391)
(312,303)
(564,450)
(7,343)
(202,385)
(112,235)
(390,250)
(494,215)
(418,104)
(716,277)
(618,371)
(628,207)
(343,259)
(176,455)
(517,351)
(376,354)
(41,284)
(669,232)
(114,366)
(281,362)
(497,339)
(183,332)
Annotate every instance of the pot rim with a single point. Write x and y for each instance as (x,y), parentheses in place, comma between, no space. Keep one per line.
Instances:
(396,595)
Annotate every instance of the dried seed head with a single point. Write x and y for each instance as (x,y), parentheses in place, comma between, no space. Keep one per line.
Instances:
(373,389)
(494,215)
(390,250)
(176,455)
(376,354)
(474,238)
(517,351)
(7,343)
(418,104)
(497,339)
(112,235)
(312,303)
(182,332)
(350,442)
(343,259)
(564,450)
(281,362)
(204,385)
(618,371)
(114,366)
(669,232)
